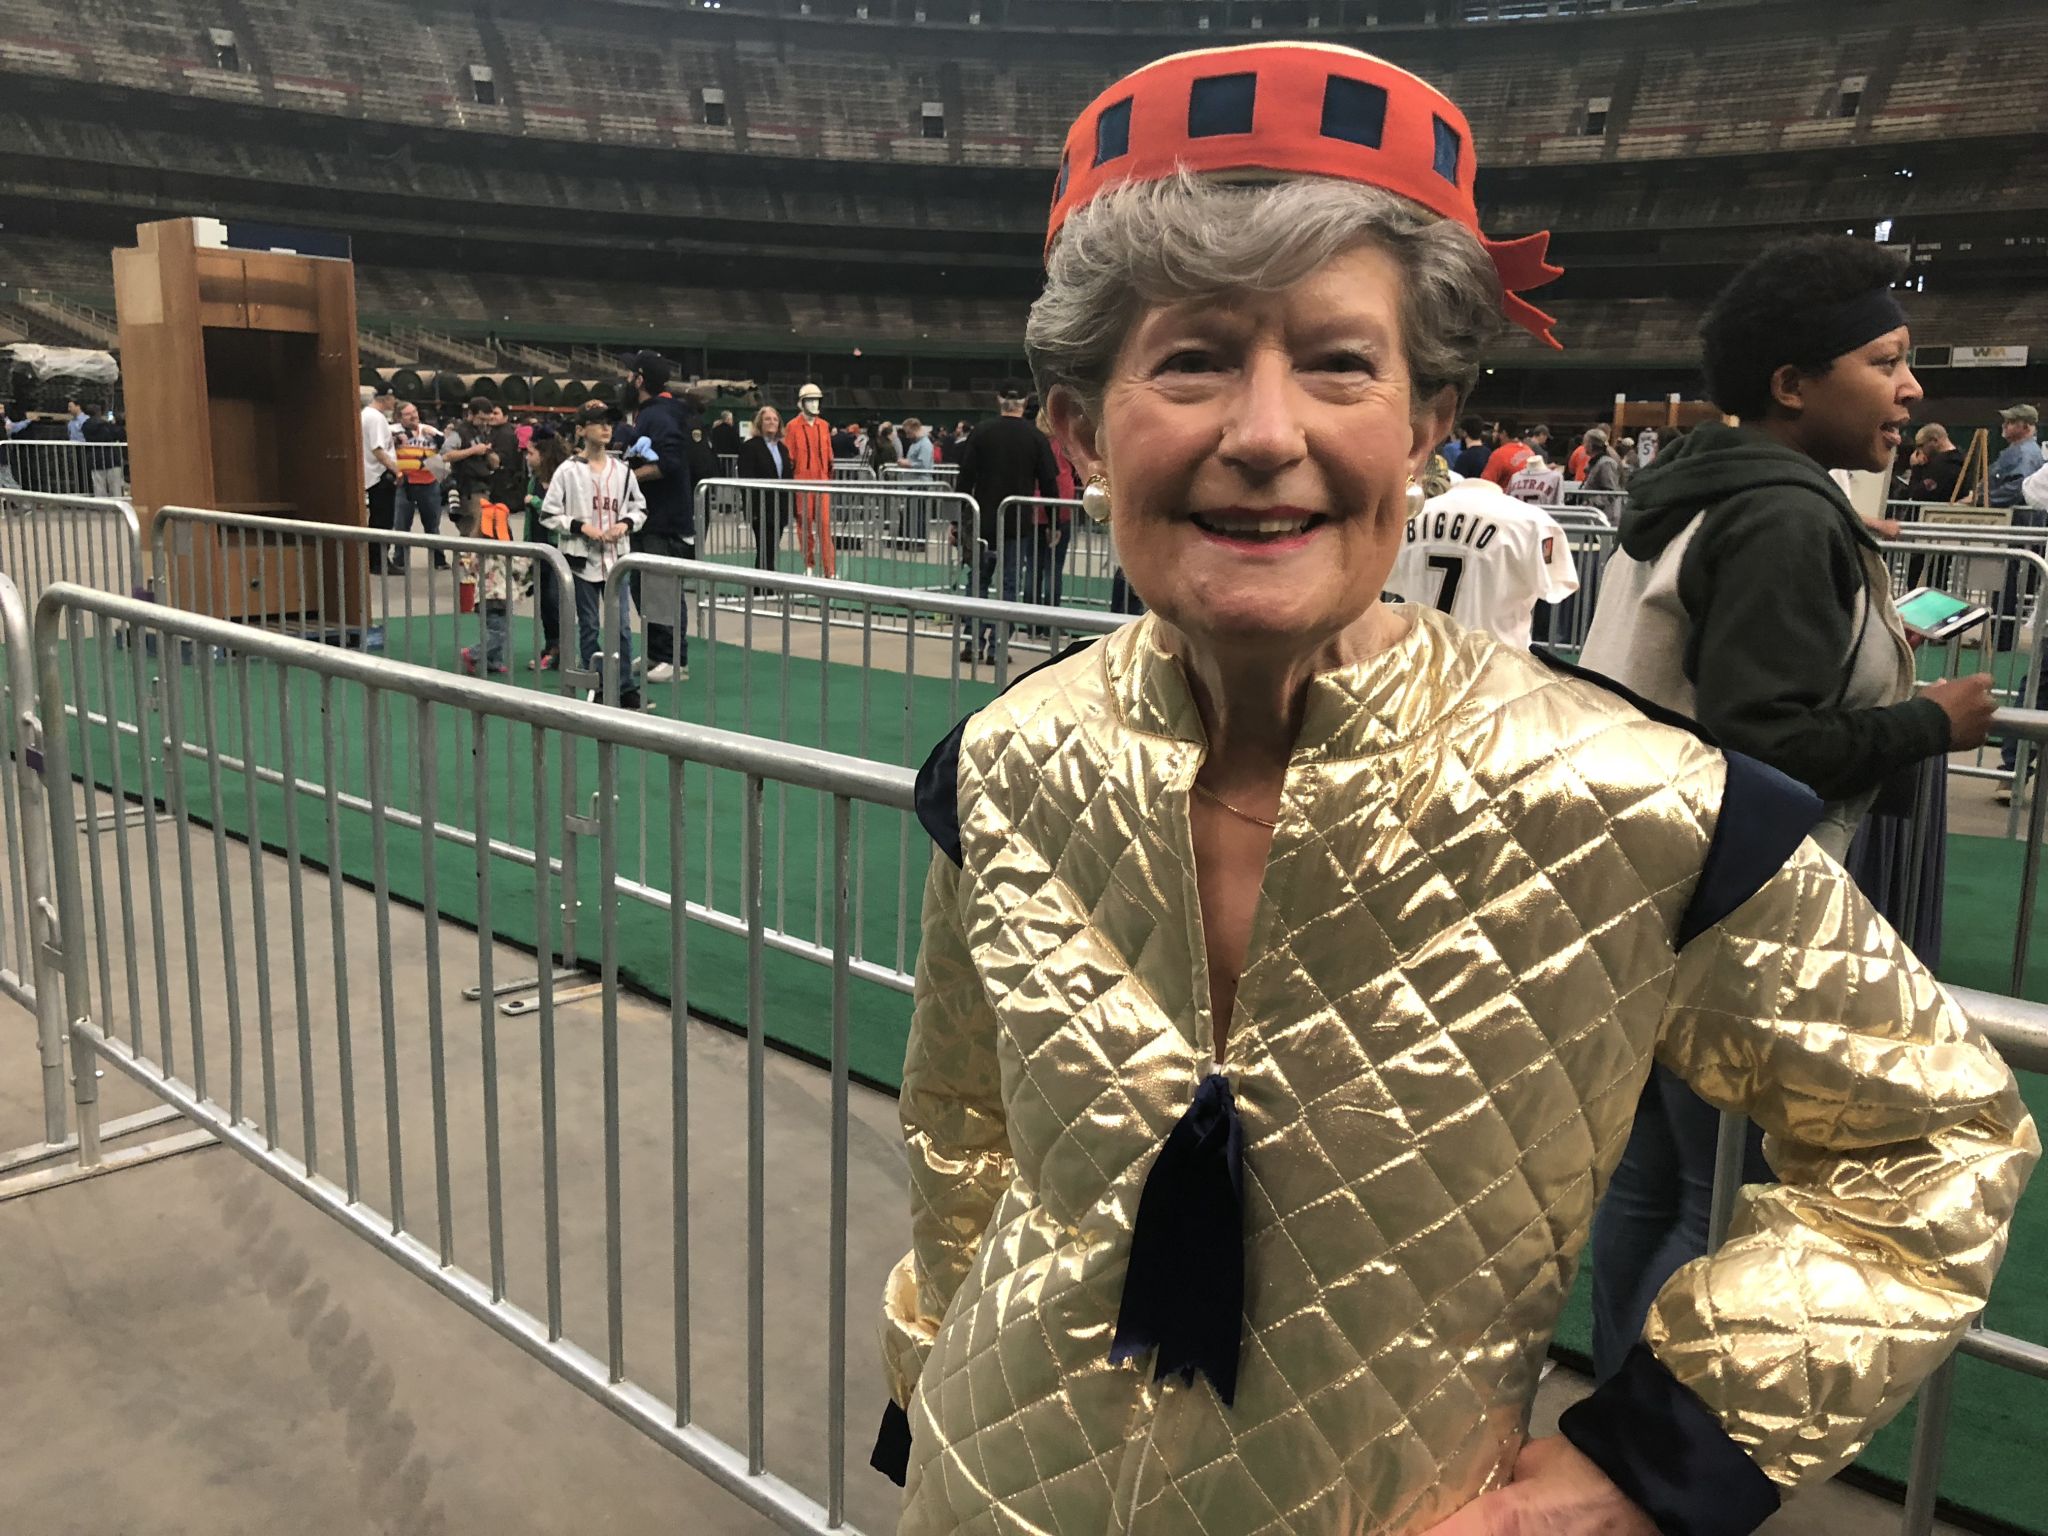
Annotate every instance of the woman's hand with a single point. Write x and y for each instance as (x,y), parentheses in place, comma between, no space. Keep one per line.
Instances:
(1557,1491)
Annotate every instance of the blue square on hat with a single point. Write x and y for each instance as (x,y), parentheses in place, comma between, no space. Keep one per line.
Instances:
(1449,148)
(1354,110)
(1221,104)
(1059,187)
(1113,131)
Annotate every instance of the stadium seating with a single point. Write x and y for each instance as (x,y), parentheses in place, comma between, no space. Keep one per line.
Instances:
(577,76)
(462,303)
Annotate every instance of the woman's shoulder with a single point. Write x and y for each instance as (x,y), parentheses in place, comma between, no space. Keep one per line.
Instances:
(1065,689)
(1533,722)
(1011,739)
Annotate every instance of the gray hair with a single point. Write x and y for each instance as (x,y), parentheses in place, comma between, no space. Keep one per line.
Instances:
(1190,237)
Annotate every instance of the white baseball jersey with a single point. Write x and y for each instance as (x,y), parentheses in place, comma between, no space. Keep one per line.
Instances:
(1484,558)
(1540,485)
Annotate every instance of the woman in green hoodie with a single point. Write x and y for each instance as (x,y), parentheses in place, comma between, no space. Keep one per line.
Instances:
(1749,596)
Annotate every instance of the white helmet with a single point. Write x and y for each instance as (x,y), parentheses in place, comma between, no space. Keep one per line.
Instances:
(809,392)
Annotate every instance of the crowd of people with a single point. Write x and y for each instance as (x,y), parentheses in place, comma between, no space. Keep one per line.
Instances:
(474,469)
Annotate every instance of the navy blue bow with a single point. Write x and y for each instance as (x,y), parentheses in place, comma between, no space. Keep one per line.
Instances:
(1184,1294)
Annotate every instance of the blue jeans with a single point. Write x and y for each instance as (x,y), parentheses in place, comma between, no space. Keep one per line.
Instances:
(2008,753)
(497,632)
(421,501)
(1020,574)
(1653,1218)
(589,602)
(1051,568)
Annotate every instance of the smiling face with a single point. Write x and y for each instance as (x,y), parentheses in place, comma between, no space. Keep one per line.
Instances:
(1856,414)
(1258,452)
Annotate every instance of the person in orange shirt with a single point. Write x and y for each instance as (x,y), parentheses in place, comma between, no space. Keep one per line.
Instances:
(809,441)
(1575,466)
(1509,458)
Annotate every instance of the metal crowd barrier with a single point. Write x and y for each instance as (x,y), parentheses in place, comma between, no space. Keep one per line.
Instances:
(1564,626)
(336,584)
(64,468)
(28,912)
(852,469)
(1076,572)
(94,540)
(1980,572)
(25,840)
(892,534)
(418,615)
(940,476)
(439,1164)
(754,622)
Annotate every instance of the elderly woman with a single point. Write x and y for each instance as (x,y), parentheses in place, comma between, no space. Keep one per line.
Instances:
(1292,961)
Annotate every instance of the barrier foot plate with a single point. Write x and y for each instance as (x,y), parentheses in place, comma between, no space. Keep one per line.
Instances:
(519,1007)
(35,1181)
(518,984)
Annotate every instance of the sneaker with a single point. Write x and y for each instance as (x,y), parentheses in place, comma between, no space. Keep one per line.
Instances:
(632,701)
(544,662)
(501,671)
(661,672)
(395,565)
(2003,796)
(469,660)
(440,560)
(967,652)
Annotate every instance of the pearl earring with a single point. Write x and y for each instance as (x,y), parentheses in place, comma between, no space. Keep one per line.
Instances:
(1416,496)
(1095,498)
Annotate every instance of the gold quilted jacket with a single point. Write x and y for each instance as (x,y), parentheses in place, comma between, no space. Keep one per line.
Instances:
(1462,964)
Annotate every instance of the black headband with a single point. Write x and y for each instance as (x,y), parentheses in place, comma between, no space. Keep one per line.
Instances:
(1838,329)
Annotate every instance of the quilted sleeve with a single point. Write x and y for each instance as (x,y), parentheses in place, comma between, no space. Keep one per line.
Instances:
(952,1111)
(1901,1143)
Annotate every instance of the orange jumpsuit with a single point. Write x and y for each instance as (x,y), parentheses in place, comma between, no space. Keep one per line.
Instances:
(809,441)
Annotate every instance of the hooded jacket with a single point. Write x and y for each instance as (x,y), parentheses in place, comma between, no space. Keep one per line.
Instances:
(1749,596)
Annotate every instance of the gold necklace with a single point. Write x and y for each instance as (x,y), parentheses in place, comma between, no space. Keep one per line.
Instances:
(1215,799)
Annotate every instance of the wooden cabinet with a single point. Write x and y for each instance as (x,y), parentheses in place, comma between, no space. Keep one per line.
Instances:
(239,374)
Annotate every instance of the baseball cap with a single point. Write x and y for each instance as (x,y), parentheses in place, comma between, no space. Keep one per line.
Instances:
(652,367)
(595,411)
(2025,413)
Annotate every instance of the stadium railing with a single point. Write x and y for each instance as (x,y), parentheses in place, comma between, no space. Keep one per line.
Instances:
(277,1076)
(63,467)
(93,540)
